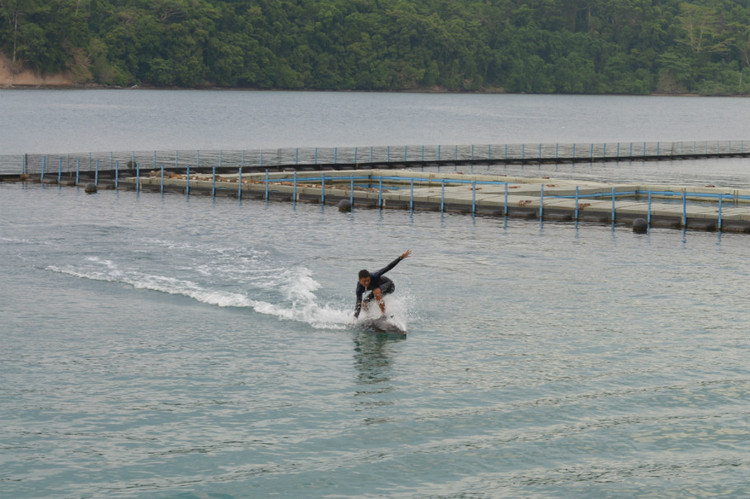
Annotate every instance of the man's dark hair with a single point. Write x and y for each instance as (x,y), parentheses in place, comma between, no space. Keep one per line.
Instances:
(363,273)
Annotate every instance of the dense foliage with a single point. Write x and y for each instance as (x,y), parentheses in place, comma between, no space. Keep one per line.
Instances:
(540,46)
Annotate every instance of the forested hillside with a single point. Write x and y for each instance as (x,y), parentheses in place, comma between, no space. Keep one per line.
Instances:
(534,46)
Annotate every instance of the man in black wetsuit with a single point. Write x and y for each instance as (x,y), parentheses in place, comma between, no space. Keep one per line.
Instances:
(377,284)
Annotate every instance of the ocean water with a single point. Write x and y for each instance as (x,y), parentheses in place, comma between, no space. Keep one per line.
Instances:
(172,347)
(63,121)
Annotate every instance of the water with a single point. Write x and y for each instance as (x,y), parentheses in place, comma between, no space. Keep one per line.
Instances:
(54,121)
(166,347)
(732,173)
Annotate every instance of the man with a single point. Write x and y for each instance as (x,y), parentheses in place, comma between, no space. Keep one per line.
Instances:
(377,284)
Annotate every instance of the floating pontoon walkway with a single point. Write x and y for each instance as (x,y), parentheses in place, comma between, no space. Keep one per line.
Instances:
(382,157)
(699,208)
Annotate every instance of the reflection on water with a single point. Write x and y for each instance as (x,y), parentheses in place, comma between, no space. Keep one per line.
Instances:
(373,362)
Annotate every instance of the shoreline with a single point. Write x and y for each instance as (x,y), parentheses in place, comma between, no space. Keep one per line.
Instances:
(51,84)
(27,79)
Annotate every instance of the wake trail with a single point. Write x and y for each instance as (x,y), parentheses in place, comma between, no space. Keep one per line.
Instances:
(295,287)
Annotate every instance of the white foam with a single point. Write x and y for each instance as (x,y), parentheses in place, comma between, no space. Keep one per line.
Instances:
(296,285)
(396,308)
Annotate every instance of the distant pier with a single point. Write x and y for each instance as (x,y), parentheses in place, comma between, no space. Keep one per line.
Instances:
(127,163)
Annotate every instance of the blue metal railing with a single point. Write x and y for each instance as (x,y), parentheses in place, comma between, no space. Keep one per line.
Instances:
(391,182)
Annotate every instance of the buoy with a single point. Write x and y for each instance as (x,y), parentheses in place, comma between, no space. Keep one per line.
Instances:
(90,188)
(640,226)
(345,205)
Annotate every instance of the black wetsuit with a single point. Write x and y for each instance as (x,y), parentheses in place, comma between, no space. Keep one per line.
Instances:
(377,280)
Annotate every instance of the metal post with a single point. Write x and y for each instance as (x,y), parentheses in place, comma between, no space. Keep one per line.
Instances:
(541,202)
(438,152)
(406,153)
(388,154)
(473,197)
(322,188)
(411,199)
(351,192)
(506,199)
(137,177)
(239,183)
(648,216)
(161,188)
(721,196)
(117,174)
(613,204)
(316,155)
(540,150)
(78,170)
(44,163)
(380,193)
(294,187)
(187,181)
(576,208)
(266,185)
(442,195)
(213,182)
(684,208)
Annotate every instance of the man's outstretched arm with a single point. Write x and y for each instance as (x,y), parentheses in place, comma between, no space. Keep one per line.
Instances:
(405,254)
